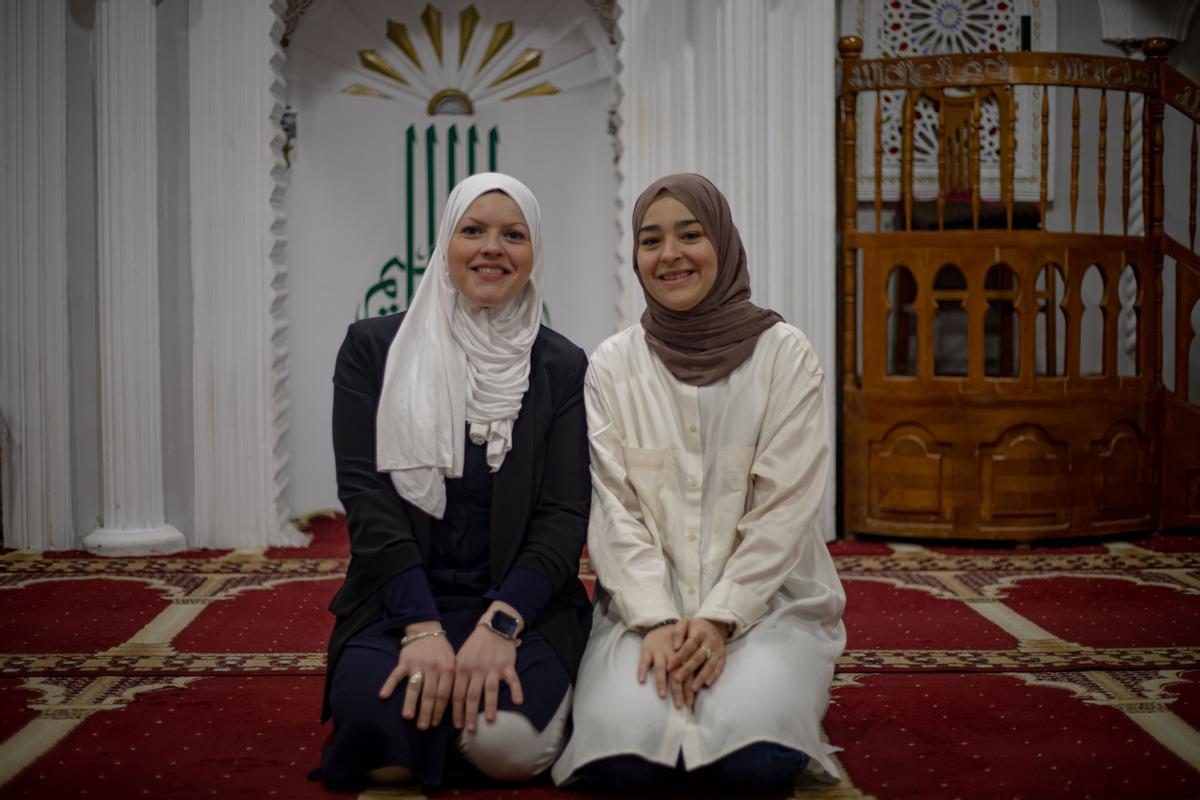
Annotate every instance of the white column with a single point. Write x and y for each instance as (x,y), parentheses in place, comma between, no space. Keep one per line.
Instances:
(130,389)
(744,95)
(239,272)
(34,367)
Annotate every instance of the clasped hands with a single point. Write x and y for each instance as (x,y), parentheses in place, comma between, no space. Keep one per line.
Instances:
(689,655)
(459,680)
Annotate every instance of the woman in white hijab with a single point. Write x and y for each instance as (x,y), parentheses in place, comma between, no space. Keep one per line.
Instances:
(460,439)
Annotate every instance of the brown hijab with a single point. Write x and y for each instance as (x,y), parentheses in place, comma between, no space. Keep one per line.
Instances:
(708,341)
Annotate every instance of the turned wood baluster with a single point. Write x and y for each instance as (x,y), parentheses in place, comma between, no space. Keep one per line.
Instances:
(974,162)
(850,48)
(943,144)
(1147,176)
(956,155)
(906,162)
(1102,149)
(1074,158)
(1045,154)
(1156,51)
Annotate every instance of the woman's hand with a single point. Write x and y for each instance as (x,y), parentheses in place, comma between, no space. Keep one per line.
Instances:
(698,662)
(658,646)
(485,659)
(433,659)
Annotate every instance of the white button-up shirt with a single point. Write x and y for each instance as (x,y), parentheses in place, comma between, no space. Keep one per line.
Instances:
(705,498)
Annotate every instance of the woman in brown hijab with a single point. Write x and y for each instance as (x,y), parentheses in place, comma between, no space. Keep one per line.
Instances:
(718,619)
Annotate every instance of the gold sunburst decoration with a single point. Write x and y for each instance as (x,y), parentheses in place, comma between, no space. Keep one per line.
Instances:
(541,90)
(468,19)
(483,72)
(377,63)
(397,34)
(501,35)
(451,101)
(523,63)
(431,18)
(366,91)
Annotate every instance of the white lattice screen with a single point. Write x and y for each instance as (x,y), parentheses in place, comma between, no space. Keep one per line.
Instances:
(898,28)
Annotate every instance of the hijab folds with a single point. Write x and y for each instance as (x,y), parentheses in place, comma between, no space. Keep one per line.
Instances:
(708,341)
(454,364)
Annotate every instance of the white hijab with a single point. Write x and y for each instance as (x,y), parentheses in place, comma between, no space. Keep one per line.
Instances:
(453,363)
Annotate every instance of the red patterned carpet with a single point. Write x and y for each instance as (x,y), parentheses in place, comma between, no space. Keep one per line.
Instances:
(970,673)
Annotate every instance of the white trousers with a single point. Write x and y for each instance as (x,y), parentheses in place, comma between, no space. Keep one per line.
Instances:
(511,749)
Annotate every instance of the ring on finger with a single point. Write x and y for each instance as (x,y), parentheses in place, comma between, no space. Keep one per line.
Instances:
(415,679)
(708,653)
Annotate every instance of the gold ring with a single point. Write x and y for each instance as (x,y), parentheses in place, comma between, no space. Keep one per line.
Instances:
(708,653)
(415,679)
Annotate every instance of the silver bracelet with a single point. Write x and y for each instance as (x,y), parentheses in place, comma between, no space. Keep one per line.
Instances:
(407,640)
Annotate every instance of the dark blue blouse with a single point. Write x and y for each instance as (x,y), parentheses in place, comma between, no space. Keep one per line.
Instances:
(459,560)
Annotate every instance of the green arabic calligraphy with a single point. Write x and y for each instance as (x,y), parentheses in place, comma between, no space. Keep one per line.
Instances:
(398,278)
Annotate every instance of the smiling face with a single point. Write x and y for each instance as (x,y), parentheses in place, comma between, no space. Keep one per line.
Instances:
(675,257)
(490,255)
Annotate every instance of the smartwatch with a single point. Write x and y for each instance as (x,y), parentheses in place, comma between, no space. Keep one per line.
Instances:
(504,624)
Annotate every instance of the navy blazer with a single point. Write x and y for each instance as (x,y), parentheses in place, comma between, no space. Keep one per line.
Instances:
(540,496)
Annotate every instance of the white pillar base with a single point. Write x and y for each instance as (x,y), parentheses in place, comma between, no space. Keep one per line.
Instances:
(134,541)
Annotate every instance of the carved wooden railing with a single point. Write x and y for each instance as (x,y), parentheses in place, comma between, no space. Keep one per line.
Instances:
(1009,439)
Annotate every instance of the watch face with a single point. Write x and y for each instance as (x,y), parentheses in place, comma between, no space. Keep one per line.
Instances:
(504,624)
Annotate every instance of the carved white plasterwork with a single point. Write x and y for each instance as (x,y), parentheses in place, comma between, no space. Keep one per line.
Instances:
(239,274)
(133,517)
(933,27)
(34,372)
(733,99)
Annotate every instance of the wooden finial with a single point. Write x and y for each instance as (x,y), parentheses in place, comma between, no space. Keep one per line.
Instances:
(850,46)
(1156,48)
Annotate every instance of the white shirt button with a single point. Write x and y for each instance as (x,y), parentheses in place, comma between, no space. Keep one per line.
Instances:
(692,428)
(692,537)
(693,483)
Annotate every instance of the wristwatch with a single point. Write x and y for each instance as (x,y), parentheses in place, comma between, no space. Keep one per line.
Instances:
(504,624)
